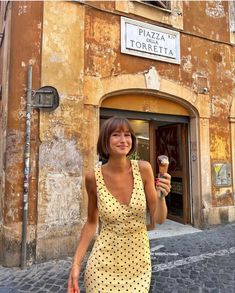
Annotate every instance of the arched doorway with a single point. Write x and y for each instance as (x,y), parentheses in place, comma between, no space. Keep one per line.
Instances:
(161,127)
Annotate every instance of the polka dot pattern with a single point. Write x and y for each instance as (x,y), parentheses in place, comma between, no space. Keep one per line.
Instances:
(120,258)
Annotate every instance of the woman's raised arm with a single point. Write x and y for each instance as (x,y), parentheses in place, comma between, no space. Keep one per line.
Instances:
(156,204)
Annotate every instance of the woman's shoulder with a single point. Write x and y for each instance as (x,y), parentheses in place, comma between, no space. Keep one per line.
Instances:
(145,170)
(144,165)
(90,175)
(90,181)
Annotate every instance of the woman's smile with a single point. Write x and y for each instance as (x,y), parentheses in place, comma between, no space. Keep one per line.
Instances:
(120,140)
(123,146)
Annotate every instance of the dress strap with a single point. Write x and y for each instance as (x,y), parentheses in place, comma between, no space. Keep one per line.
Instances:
(136,169)
(135,164)
(98,177)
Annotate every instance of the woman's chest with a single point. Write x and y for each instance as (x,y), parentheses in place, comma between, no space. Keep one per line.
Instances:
(120,187)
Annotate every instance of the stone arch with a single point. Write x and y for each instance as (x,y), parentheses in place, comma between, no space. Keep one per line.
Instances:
(192,111)
(97,89)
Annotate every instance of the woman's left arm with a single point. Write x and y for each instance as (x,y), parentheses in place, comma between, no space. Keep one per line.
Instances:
(156,204)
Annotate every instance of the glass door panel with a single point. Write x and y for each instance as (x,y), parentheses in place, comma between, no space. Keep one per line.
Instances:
(141,129)
(171,141)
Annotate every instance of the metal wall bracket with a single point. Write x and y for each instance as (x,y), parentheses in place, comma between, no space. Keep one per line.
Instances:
(46,98)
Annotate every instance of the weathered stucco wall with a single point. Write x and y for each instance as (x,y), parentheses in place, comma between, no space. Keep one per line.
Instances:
(207,60)
(207,19)
(4,75)
(25,44)
(216,63)
(60,198)
(75,47)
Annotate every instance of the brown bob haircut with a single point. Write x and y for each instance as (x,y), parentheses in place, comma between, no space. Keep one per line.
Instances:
(109,126)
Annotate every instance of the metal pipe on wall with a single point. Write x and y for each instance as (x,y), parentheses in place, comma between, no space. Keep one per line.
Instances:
(26,168)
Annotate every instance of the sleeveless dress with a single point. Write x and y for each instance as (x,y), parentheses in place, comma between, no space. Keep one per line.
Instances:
(120,258)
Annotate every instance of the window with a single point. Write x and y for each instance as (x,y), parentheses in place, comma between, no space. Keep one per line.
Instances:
(141,129)
(169,13)
(161,4)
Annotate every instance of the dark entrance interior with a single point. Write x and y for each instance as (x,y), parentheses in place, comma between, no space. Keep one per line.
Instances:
(166,135)
(172,140)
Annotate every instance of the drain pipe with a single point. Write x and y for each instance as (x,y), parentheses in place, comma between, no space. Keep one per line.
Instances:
(26,167)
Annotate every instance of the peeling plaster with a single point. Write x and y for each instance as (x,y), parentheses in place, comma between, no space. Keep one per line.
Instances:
(20,112)
(14,147)
(217,106)
(63,199)
(218,147)
(217,36)
(228,74)
(200,80)
(12,211)
(60,156)
(197,28)
(186,62)
(152,79)
(22,8)
(32,61)
(38,46)
(60,186)
(215,9)
(101,60)
(56,59)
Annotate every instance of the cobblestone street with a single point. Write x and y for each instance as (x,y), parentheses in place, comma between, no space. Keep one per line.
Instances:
(196,262)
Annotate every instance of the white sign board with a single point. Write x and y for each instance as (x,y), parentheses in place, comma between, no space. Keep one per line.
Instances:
(149,41)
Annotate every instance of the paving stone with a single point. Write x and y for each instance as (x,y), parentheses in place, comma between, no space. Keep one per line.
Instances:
(4,290)
(165,274)
(25,288)
(215,290)
(194,289)
(174,274)
(205,290)
(54,288)
(191,265)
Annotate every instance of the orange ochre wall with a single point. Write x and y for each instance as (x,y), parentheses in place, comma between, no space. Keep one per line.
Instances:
(75,46)
(203,52)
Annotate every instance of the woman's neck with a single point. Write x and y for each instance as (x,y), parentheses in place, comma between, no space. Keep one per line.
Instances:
(118,164)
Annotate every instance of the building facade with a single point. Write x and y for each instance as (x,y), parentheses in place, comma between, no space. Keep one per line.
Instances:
(168,66)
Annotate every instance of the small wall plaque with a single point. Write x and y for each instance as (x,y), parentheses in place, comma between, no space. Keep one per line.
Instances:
(221,174)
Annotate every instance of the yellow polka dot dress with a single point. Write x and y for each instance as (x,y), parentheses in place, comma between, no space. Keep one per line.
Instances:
(120,258)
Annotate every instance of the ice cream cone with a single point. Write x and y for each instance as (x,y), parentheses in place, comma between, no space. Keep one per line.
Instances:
(163,164)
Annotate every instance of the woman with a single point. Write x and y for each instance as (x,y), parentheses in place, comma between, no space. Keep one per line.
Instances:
(117,194)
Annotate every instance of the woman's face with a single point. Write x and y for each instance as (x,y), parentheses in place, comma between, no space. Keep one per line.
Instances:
(120,142)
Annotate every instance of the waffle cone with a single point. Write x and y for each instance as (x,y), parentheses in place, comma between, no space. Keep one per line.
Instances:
(163,163)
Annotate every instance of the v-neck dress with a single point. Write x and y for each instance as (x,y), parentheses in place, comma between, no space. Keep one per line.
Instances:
(120,258)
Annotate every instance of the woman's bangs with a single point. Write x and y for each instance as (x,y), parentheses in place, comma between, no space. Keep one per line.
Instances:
(122,126)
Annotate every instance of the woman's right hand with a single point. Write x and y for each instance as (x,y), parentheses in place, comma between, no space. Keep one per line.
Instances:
(73,279)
